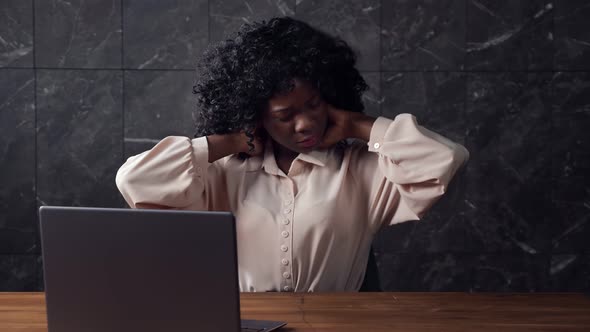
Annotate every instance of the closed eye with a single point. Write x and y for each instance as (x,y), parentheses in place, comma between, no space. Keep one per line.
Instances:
(317,101)
(284,116)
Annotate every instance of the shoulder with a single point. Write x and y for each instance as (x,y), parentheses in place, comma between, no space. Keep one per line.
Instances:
(239,163)
(353,152)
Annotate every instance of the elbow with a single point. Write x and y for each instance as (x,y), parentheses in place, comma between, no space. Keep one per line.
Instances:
(451,162)
(457,157)
(122,183)
(461,155)
(121,180)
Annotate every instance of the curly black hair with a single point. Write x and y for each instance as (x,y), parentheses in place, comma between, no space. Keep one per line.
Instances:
(236,77)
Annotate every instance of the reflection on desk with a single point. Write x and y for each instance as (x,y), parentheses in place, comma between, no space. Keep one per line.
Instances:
(408,312)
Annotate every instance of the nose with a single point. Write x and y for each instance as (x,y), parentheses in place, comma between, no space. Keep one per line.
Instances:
(303,123)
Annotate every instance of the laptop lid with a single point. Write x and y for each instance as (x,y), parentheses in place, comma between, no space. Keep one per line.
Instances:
(118,270)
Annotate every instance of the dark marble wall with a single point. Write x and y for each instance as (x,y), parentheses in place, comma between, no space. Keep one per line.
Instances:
(84,84)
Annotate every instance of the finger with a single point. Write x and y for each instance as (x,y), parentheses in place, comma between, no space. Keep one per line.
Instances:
(337,116)
(332,112)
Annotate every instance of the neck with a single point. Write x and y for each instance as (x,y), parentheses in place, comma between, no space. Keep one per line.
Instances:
(283,154)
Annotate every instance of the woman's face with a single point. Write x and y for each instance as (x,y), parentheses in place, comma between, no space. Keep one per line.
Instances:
(298,119)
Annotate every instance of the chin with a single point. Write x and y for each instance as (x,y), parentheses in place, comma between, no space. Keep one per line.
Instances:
(306,150)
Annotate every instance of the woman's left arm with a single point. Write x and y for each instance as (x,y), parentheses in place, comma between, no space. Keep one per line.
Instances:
(406,167)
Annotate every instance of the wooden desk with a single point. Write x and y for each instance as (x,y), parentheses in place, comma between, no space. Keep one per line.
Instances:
(406,312)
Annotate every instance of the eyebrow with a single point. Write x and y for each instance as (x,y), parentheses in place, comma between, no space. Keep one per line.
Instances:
(315,95)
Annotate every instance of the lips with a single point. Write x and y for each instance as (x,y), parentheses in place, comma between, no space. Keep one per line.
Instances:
(308,141)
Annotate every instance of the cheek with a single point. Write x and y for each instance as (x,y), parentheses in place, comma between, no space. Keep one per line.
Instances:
(322,117)
(277,131)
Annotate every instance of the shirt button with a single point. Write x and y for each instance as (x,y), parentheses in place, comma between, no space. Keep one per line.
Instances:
(285,234)
(376,145)
(286,288)
(286,221)
(284,248)
(284,261)
(288,201)
(286,275)
(287,211)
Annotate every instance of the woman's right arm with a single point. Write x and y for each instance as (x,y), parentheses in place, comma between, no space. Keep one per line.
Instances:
(179,173)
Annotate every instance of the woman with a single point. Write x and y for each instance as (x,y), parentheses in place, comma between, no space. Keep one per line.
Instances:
(277,105)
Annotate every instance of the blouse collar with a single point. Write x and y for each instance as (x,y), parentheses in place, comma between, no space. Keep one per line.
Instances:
(268,162)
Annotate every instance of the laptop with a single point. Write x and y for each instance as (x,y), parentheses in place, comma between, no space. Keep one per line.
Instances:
(141,270)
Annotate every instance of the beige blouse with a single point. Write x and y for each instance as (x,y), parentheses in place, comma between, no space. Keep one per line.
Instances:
(311,229)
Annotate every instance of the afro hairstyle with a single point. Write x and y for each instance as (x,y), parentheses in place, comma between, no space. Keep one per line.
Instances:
(237,76)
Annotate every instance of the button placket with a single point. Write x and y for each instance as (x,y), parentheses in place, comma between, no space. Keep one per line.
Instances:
(285,234)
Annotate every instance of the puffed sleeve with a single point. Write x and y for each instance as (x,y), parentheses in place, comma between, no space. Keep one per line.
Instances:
(174,174)
(406,169)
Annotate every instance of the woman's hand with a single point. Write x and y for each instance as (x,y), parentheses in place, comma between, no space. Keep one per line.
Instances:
(345,124)
(227,144)
(256,147)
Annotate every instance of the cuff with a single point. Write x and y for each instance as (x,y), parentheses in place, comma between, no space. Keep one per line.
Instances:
(378,133)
